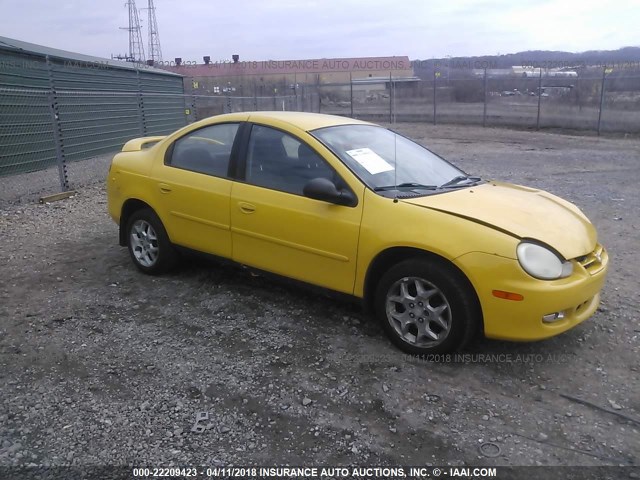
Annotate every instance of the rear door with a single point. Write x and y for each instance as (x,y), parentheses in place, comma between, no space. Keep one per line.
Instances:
(193,189)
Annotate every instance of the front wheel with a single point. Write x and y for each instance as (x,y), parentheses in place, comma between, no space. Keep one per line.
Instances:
(426,307)
(149,245)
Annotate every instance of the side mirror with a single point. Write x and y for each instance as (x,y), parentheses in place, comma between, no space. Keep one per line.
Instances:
(325,190)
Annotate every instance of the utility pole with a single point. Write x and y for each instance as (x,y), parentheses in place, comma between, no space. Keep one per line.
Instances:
(155,52)
(136,46)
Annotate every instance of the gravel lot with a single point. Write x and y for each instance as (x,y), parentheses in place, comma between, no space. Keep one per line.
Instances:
(103,365)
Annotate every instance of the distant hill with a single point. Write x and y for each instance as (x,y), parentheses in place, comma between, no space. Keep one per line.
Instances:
(625,58)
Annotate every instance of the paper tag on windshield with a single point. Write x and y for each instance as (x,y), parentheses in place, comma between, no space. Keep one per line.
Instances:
(370,160)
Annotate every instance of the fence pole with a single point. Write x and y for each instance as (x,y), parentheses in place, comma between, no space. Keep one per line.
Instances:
(390,100)
(255,96)
(484,109)
(141,119)
(435,75)
(539,99)
(393,95)
(57,130)
(604,74)
(351,93)
(295,93)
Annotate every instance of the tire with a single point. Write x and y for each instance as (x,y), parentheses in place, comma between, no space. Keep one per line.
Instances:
(148,243)
(426,307)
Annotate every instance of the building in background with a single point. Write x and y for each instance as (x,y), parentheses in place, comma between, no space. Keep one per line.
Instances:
(268,77)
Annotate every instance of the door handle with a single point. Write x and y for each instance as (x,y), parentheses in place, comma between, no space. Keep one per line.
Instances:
(164,188)
(246,207)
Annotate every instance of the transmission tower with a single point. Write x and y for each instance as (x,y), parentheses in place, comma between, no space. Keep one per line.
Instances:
(155,52)
(136,47)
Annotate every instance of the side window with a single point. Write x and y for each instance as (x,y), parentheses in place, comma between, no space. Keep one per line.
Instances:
(279,161)
(206,150)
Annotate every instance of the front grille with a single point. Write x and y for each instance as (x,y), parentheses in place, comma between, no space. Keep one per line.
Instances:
(593,262)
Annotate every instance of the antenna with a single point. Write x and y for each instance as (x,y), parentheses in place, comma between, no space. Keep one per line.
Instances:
(395,165)
(136,47)
(155,52)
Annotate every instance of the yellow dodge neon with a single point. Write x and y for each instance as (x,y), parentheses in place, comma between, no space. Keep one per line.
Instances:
(350,206)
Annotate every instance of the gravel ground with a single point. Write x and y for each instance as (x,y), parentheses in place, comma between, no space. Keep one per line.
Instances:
(101,364)
(29,187)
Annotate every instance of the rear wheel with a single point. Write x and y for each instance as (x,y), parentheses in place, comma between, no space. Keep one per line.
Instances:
(426,307)
(148,242)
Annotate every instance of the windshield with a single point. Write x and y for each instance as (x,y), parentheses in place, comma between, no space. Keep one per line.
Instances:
(386,161)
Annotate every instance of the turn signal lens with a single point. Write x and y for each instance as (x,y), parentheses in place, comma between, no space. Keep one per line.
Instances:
(516,297)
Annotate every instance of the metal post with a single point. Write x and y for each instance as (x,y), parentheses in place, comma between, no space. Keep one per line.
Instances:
(194,106)
(295,92)
(351,93)
(484,110)
(275,100)
(539,99)
(390,100)
(318,93)
(57,130)
(255,96)
(393,102)
(604,74)
(435,75)
(141,119)
(578,97)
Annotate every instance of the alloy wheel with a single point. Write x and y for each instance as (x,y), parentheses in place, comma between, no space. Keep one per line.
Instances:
(418,311)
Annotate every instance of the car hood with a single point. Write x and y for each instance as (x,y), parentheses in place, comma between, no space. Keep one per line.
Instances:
(520,211)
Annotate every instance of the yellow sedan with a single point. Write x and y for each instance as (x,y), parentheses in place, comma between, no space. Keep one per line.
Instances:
(436,255)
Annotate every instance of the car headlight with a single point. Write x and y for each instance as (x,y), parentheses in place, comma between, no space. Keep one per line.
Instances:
(542,263)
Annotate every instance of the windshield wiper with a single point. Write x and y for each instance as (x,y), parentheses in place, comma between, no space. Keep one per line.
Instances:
(460,178)
(405,185)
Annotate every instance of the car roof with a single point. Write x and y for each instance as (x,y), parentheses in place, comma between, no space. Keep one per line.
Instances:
(302,120)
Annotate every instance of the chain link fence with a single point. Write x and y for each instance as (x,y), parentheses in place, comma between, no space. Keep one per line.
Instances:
(204,106)
(45,134)
(596,101)
(52,141)
(28,143)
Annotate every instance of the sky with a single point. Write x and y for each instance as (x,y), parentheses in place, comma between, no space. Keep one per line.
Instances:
(288,29)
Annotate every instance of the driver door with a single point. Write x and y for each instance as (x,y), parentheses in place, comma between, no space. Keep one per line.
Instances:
(276,228)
